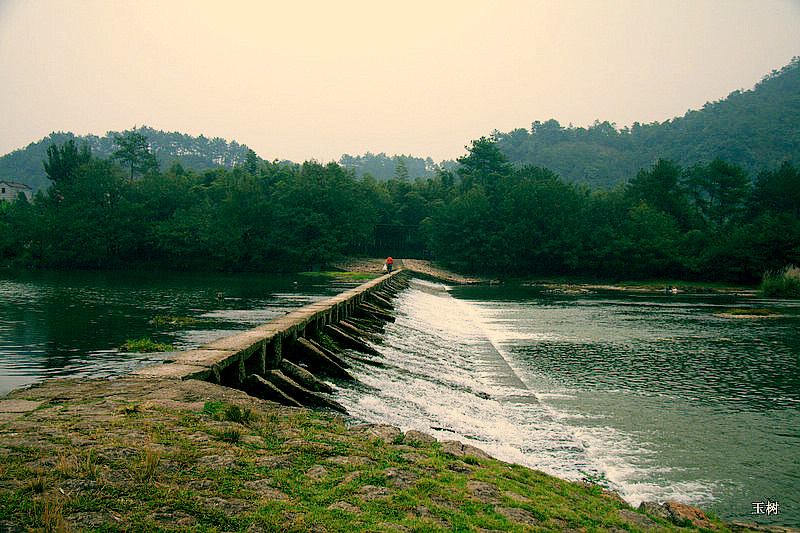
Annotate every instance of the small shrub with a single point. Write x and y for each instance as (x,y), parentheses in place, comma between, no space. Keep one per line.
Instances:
(215,409)
(146,345)
(782,284)
(48,514)
(234,414)
(37,485)
(230,435)
(150,461)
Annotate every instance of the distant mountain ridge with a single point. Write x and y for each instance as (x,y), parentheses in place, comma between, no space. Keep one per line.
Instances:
(25,165)
(756,129)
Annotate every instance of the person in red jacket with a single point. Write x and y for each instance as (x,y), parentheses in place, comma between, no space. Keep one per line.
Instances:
(389,264)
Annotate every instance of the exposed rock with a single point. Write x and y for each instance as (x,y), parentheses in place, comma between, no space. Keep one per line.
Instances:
(18,406)
(677,513)
(351,460)
(344,506)
(484,492)
(308,445)
(91,520)
(516,497)
(460,450)
(637,519)
(371,492)
(275,462)
(682,513)
(417,438)
(388,526)
(399,478)
(169,519)
(515,514)
(265,489)
(384,432)
(352,476)
(460,466)
(420,511)
(216,462)
(229,506)
(317,472)
(413,457)
(76,486)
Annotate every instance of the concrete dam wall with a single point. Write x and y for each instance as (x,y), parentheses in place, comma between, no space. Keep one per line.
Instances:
(283,359)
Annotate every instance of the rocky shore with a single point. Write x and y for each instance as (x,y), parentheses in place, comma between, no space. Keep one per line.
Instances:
(136,454)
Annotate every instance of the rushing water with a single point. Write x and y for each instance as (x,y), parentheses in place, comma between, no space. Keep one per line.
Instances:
(74,323)
(659,396)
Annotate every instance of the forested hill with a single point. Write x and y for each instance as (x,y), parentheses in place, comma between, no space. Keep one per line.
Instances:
(403,167)
(755,129)
(25,165)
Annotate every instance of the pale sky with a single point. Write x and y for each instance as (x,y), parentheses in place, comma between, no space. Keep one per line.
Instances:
(315,79)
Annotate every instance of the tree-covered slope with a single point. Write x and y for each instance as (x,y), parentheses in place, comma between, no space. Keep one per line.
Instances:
(755,129)
(25,165)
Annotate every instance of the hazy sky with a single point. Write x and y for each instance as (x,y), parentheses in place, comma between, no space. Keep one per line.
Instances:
(316,79)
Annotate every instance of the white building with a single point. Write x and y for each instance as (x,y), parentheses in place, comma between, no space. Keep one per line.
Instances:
(10,191)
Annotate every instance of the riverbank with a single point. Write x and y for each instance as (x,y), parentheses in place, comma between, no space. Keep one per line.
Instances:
(429,269)
(135,454)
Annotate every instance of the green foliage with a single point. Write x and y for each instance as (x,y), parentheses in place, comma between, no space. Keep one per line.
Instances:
(63,162)
(752,129)
(169,148)
(145,345)
(782,284)
(134,152)
(703,221)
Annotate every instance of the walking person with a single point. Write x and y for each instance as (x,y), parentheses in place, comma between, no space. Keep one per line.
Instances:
(389,264)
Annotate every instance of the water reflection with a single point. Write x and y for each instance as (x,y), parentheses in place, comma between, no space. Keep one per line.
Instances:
(73,323)
(668,346)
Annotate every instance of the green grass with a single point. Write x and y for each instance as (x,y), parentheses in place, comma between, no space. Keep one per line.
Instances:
(784,283)
(146,345)
(205,467)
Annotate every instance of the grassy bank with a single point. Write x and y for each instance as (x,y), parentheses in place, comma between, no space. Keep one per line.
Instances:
(149,455)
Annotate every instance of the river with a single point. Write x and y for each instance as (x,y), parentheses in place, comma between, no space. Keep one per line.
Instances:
(657,396)
(56,324)
(660,397)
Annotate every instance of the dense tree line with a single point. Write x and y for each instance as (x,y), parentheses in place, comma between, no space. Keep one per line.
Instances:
(199,153)
(753,129)
(402,167)
(705,221)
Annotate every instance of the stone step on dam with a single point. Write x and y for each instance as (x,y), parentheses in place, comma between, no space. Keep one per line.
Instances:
(284,359)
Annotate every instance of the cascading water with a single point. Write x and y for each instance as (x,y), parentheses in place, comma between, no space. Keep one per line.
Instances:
(646,396)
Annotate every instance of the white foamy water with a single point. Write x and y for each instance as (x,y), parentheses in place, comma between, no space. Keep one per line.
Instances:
(445,376)
(589,389)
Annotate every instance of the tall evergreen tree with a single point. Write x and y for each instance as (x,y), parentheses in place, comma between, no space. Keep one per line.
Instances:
(63,161)
(135,153)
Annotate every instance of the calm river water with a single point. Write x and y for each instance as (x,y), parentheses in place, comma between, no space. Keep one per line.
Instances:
(657,396)
(57,324)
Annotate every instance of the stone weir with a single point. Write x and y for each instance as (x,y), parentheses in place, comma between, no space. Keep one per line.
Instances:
(283,360)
